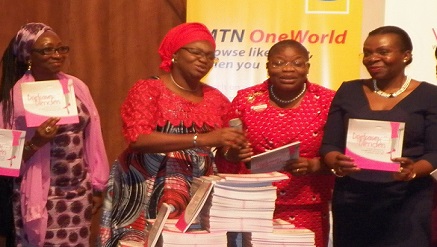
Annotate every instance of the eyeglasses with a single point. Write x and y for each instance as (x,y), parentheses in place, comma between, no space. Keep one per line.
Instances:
(298,63)
(50,50)
(200,54)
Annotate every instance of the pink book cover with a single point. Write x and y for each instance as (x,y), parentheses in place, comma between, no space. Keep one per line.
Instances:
(373,143)
(11,151)
(44,99)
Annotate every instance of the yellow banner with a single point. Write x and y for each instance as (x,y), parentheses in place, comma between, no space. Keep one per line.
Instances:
(245,30)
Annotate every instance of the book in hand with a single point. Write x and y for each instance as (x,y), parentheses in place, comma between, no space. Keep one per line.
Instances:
(45,99)
(373,143)
(275,159)
(11,151)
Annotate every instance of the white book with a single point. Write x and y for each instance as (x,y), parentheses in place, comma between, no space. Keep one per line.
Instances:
(221,201)
(246,193)
(195,205)
(11,151)
(251,180)
(275,159)
(45,99)
(158,224)
(373,143)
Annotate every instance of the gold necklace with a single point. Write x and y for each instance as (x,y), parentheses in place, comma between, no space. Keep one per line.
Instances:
(391,95)
(179,86)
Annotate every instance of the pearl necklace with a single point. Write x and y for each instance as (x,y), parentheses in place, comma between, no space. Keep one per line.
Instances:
(391,95)
(179,86)
(290,100)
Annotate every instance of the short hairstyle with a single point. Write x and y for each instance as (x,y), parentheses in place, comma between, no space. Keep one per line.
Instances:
(404,38)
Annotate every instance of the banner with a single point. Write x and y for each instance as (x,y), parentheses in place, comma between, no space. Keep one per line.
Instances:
(245,30)
(332,30)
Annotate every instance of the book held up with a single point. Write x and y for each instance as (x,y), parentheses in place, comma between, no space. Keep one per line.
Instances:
(374,143)
(11,151)
(275,159)
(45,99)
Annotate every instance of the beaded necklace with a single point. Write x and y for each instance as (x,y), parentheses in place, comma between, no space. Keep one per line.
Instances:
(290,100)
(391,95)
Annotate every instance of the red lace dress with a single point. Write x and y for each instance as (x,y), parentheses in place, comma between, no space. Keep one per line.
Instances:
(140,182)
(304,200)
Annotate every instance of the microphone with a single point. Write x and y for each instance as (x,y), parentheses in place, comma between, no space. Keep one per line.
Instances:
(236,123)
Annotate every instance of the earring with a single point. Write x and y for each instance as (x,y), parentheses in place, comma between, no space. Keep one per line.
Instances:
(405,60)
(173,60)
(29,65)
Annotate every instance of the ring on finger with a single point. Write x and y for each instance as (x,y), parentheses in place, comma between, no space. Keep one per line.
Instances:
(48,129)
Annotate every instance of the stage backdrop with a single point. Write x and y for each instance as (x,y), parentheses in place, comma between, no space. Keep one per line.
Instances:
(332,30)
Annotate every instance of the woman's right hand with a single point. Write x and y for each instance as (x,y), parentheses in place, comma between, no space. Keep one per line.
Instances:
(45,132)
(341,164)
(224,137)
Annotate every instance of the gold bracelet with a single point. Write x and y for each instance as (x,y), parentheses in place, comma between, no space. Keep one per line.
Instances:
(225,154)
(195,140)
(336,173)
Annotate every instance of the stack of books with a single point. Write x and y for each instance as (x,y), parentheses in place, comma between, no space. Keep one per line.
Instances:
(193,237)
(228,203)
(163,232)
(284,234)
(241,202)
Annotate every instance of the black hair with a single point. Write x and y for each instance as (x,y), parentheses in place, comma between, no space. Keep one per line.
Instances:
(12,70)
(405,39)
(288,43)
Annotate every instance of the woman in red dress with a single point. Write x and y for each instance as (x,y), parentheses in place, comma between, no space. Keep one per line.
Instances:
(171,123)
(283,109)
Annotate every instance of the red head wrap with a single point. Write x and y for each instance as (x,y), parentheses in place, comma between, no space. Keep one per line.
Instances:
(179,36)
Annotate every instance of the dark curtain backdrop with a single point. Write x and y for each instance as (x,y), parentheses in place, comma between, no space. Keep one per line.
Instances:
(113,44)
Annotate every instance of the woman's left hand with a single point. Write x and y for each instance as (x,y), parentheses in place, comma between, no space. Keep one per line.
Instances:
(406,172)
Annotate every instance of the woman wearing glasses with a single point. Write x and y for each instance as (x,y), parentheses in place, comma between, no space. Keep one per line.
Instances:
(171,123)
(65,167)
(283,109)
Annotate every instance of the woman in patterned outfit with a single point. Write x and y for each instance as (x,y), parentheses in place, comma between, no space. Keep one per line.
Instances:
(65,167)
(283,109)
(171,123)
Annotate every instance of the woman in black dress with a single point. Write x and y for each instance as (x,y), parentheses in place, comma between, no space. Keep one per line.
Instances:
(375,208)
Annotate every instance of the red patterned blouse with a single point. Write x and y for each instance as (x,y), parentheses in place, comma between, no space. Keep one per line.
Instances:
(303,200)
